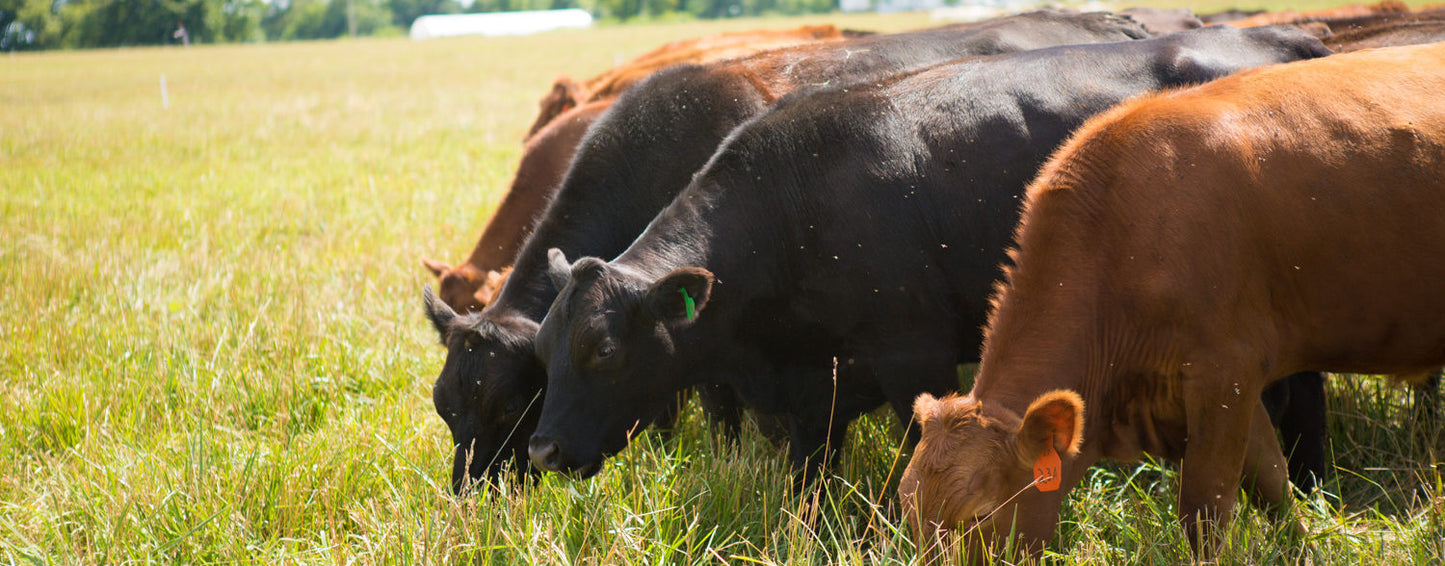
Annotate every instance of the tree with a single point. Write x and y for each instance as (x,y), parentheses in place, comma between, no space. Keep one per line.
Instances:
(404,12)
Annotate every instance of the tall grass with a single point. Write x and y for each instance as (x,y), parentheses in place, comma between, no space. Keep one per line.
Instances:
(212,348)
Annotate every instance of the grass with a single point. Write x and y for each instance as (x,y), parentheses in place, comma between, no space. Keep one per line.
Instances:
(212,348)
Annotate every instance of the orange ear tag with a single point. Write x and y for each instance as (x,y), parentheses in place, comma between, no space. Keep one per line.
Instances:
(1046,470)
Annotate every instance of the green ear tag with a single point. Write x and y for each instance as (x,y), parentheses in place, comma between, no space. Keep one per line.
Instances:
(687,300)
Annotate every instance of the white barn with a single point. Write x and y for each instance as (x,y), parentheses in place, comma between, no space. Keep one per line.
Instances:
(498,23)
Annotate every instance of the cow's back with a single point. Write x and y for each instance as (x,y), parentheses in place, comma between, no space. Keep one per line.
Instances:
(928,169)
(567,94)
(1408,33)
(644,150)
(1339,12)
(872,58)
(1310,195)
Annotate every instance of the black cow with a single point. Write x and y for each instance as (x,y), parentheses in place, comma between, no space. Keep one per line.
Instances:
(862,224)
(635,159)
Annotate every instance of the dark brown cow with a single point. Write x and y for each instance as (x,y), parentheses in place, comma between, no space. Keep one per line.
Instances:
(567,94)
(1179,254)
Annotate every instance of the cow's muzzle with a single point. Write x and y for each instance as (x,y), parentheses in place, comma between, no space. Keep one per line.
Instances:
(545,454)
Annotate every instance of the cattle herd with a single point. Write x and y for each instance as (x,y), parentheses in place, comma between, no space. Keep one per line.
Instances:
(1151,231)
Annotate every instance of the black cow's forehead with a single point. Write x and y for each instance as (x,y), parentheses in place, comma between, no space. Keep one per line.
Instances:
(482,331)
(593,295)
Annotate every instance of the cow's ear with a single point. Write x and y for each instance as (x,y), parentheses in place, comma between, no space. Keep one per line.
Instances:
(924,408)
(558,268)
(1054,420)
(438,312)
(680,295)
(491,286)
(566,91)
(436,268)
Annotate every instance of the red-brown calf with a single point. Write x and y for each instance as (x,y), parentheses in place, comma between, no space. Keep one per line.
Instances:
(1177,255)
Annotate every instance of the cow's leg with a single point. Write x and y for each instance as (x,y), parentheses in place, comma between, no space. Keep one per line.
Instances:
(772,427)
(1296,405)
(664,422)
(1265,470)
(821,413)
(1219,411)
(723,406)
(814,443)
(1425,402)
(1264,476)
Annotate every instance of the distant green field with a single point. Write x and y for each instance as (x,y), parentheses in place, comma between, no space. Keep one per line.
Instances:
(212,346)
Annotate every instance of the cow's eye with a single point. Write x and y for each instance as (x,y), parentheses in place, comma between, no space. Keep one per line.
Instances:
(605,350)
(516,405)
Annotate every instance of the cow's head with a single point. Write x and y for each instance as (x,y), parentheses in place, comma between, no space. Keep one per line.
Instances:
(973,472)
(608,344)
(489,391)
(465,288)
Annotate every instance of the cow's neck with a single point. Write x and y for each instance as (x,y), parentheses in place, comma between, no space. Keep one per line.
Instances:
(625,171)
(585,219)
(1047,331)
(1039,340)
(705,227)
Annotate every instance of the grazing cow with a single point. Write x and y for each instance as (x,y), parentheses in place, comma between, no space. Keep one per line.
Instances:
(1179,253)
(567,94)
(635,159)
(553,138)
(862,224)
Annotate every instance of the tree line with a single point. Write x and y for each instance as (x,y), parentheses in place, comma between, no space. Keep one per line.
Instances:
(52,24)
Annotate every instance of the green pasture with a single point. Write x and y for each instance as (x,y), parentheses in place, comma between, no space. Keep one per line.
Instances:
(212,347)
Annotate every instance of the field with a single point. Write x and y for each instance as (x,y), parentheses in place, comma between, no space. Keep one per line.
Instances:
(212,346)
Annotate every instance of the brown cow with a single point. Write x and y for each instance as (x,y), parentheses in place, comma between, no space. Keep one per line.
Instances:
(1177,255)
(567,94)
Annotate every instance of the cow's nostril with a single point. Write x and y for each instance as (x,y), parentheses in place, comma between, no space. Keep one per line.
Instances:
(543,452)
